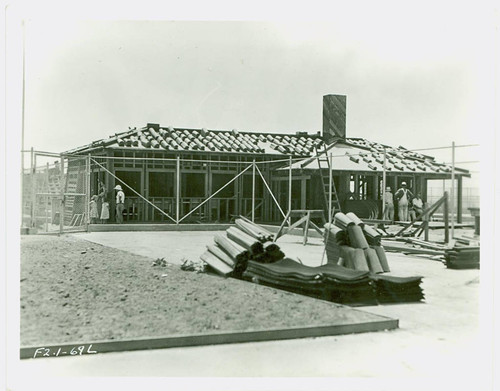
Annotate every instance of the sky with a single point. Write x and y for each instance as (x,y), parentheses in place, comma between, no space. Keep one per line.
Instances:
(416,76)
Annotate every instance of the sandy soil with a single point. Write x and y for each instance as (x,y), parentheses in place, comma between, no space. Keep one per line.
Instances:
(76,291)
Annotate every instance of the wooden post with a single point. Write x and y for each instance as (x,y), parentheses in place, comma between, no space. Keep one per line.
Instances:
(33,179)
(452,199)
(303,193)
(177,192)
(446,222)
(459,199)
(47,201)
(330,180)
(87,191)
(253,190)
(290,188)
(61,204)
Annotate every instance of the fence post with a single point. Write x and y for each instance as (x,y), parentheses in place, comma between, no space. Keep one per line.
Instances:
(61,204)
(290,190)
(33,189)
(384,183)
(47,200)
(253,190)
(86,197)
(446,221)
(177,195)
(452,198)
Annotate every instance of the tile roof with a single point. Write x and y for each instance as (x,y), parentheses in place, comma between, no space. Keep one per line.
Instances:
(188,140)
(356,154)
(351,154)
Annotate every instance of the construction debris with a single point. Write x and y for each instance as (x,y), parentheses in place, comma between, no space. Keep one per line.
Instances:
(159,262)
(190,266)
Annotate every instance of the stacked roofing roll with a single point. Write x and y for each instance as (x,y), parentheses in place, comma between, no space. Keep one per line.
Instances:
(460,257)
(390,289)
(355,245)
(328,282)
(239,244)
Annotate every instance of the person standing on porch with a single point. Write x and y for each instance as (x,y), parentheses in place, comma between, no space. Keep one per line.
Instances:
(120,203)
(404,197)
(389,205)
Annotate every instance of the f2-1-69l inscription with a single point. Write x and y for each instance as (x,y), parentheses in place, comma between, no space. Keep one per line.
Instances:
(64,351)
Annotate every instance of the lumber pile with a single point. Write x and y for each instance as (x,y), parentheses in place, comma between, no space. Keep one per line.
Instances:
(244,242)
(355,245)
(461,257)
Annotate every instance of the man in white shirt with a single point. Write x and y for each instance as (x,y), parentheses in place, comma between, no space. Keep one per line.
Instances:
(120,203)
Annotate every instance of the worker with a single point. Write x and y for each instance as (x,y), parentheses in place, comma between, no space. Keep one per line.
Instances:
(389,205)
(120,203)
(417,207)
(404,197)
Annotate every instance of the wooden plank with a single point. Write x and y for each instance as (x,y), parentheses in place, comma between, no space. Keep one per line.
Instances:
(380,323)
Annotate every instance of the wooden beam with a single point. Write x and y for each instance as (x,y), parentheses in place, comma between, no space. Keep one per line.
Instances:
(446,228)
(459,199)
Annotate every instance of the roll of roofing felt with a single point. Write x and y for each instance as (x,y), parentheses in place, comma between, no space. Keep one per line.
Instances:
(357,237)
(373,261)
(382,258)
(356,219)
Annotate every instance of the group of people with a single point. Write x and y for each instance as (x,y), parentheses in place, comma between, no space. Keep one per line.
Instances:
(103,216)
(409,206)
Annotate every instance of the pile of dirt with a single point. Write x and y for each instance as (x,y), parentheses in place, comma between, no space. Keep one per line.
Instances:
(76,291)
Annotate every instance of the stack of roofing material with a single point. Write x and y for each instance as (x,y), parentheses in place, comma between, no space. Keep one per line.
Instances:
(232,251)
(390,289)
(462,257)
(288,275)
(354,244)
(348,286)
(328,282)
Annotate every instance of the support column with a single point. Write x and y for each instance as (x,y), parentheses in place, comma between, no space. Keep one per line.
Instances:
(110,183)
(303,193)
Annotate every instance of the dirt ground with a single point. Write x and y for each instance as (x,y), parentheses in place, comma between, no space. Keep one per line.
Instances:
(73,290)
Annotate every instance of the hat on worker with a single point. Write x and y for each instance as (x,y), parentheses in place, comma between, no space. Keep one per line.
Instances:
(403,184)
(118,187)
(387,188)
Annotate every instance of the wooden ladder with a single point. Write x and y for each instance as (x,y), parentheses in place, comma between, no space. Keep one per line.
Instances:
(324,173)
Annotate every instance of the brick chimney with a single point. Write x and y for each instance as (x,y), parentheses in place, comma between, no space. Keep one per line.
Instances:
(334,117)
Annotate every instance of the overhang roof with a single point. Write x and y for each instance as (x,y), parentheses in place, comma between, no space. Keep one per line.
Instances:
(361,155)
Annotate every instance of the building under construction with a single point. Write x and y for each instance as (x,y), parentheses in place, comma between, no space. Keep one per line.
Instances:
(174,175)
